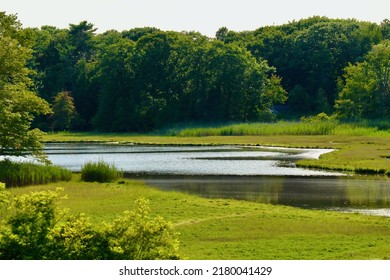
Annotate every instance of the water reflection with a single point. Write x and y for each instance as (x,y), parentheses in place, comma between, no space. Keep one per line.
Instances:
(307,192)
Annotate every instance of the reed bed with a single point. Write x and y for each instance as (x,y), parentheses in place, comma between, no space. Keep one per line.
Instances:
(100,172)
(16,174)
(330,127)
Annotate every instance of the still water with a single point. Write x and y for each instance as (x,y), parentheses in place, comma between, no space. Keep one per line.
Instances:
(261,174)
(188,160)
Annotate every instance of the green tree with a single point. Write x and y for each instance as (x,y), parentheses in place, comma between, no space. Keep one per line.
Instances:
(312,53)
(242,88)
(63,61)
(385,26)
(18,103)
(365,91)
(153,76)
(119,103)
(136,33)
(63,111)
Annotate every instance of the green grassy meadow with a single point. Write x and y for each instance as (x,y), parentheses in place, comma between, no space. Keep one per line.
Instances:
(230,229)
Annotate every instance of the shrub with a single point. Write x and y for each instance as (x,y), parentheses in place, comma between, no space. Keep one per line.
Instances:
(33,230)
(15,174)
(99,172)
(137,236)
(3,194)
(25,234)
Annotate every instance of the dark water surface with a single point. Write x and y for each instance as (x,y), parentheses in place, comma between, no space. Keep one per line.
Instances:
(261,174)
(350,194)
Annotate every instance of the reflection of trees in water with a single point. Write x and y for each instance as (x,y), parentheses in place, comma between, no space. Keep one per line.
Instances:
(305,192)
(368,193)
(313,193)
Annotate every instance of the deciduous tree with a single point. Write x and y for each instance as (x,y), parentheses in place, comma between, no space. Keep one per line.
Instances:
(18,103)
(366,90)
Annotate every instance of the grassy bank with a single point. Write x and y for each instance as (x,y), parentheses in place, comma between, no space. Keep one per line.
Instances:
(229,229)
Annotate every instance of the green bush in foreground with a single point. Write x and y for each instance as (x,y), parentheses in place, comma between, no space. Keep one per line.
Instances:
(34,231)
(15,174)
(99,172)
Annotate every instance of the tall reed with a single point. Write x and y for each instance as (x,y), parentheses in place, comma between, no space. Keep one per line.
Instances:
(328,127)
(266,129)
(15,174)
(99,172)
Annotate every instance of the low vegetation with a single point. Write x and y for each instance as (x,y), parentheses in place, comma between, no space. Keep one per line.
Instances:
(36,229)
(100,172)
(307,126)
(15,174)
(229,229)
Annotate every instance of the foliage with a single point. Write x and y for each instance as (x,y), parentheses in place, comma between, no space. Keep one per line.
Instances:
(135,235)
(366,90)
(321,117)
(164,78)
(99,172)
(310,55)
(35,229)
(3,194)
(15,174)
(24,235)
(18,104)
(144,78)
(63,111)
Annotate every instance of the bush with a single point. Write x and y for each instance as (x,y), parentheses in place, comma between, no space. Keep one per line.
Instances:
(99,172)
(3,194)
(33,230)
(137,236)
(15,174)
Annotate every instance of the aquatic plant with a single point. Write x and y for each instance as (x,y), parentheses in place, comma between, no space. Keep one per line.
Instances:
(15,174)
(100,172)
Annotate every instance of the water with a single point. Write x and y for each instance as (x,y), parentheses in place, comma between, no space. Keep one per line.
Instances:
(188,160)
(348,194)
(261,174)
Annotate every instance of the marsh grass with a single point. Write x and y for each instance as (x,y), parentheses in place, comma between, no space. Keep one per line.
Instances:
(100,172)
(16,174)
(260,129)
(299,128)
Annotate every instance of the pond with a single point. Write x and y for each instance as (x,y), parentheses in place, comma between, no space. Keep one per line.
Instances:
(188,160)
(261,174)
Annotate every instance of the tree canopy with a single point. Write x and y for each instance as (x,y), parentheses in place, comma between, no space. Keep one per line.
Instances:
(18,103)
(144,78)
(366,88)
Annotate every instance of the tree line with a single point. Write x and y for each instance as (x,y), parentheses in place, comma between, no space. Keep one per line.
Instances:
(144,78)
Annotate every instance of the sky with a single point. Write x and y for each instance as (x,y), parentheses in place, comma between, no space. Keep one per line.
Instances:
(204,16)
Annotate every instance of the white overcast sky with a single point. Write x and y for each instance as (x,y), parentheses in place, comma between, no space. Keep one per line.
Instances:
(205,16)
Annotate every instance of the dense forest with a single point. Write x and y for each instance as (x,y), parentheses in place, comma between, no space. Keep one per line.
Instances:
(144,78)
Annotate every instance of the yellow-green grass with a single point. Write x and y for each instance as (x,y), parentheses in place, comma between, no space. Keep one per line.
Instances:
(314,127)
(230,229)
(362,154)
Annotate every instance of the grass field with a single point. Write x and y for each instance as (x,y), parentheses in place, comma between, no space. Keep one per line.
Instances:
(230,229)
